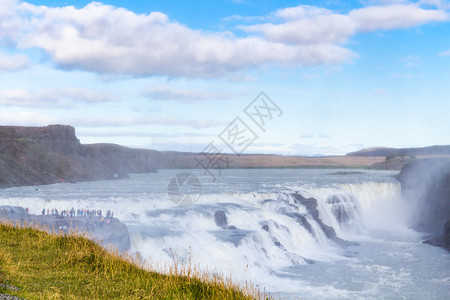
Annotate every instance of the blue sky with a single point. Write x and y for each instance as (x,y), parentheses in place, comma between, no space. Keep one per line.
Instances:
(172,75)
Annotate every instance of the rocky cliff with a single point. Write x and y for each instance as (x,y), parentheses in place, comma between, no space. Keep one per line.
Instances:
(45,155)
(426,183)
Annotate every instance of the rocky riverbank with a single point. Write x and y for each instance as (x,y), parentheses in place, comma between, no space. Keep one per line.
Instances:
(427,184)
(108,230)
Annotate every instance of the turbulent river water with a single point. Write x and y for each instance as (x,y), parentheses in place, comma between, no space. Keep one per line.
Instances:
(265,240)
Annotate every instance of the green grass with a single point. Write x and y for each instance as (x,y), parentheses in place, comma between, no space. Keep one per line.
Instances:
(52,266)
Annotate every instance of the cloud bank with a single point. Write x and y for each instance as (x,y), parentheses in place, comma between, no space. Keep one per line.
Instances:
(105,39)
(55,98)
(29,118)
(186,96)
(308,25)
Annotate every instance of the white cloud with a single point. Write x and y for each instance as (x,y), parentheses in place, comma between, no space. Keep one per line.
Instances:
(64,98)
(105,39)
(115,41)
(126,121)
(445,53)
(197,123)
(394,17)
(234,18)
(321,29)
(444,4)
(300,12)
(187,96)
(314,136)
(311,25)
(13,62)
(127,132)
(29,118)
(382,2)
(9,21)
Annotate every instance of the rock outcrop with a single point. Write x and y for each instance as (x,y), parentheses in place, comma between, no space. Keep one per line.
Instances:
(426,183)
(442,240)
(311,206)
(220,218)
(57,138)
(51,154)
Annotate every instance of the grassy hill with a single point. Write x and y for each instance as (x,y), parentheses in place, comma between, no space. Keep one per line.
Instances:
(437,150)
(50,266)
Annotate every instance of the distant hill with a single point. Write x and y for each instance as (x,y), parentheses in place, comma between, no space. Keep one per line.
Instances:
(51,154)
(424,151)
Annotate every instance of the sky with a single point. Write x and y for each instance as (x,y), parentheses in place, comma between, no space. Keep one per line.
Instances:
(336,76)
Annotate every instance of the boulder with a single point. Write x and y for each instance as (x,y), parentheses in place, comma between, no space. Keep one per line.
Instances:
(221,219)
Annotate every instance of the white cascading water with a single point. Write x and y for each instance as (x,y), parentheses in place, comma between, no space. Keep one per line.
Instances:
(251,250)
(354,208)
(270,238)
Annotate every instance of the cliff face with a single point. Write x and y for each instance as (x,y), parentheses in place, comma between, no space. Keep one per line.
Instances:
(427,184)
(45,155)
(58,138)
